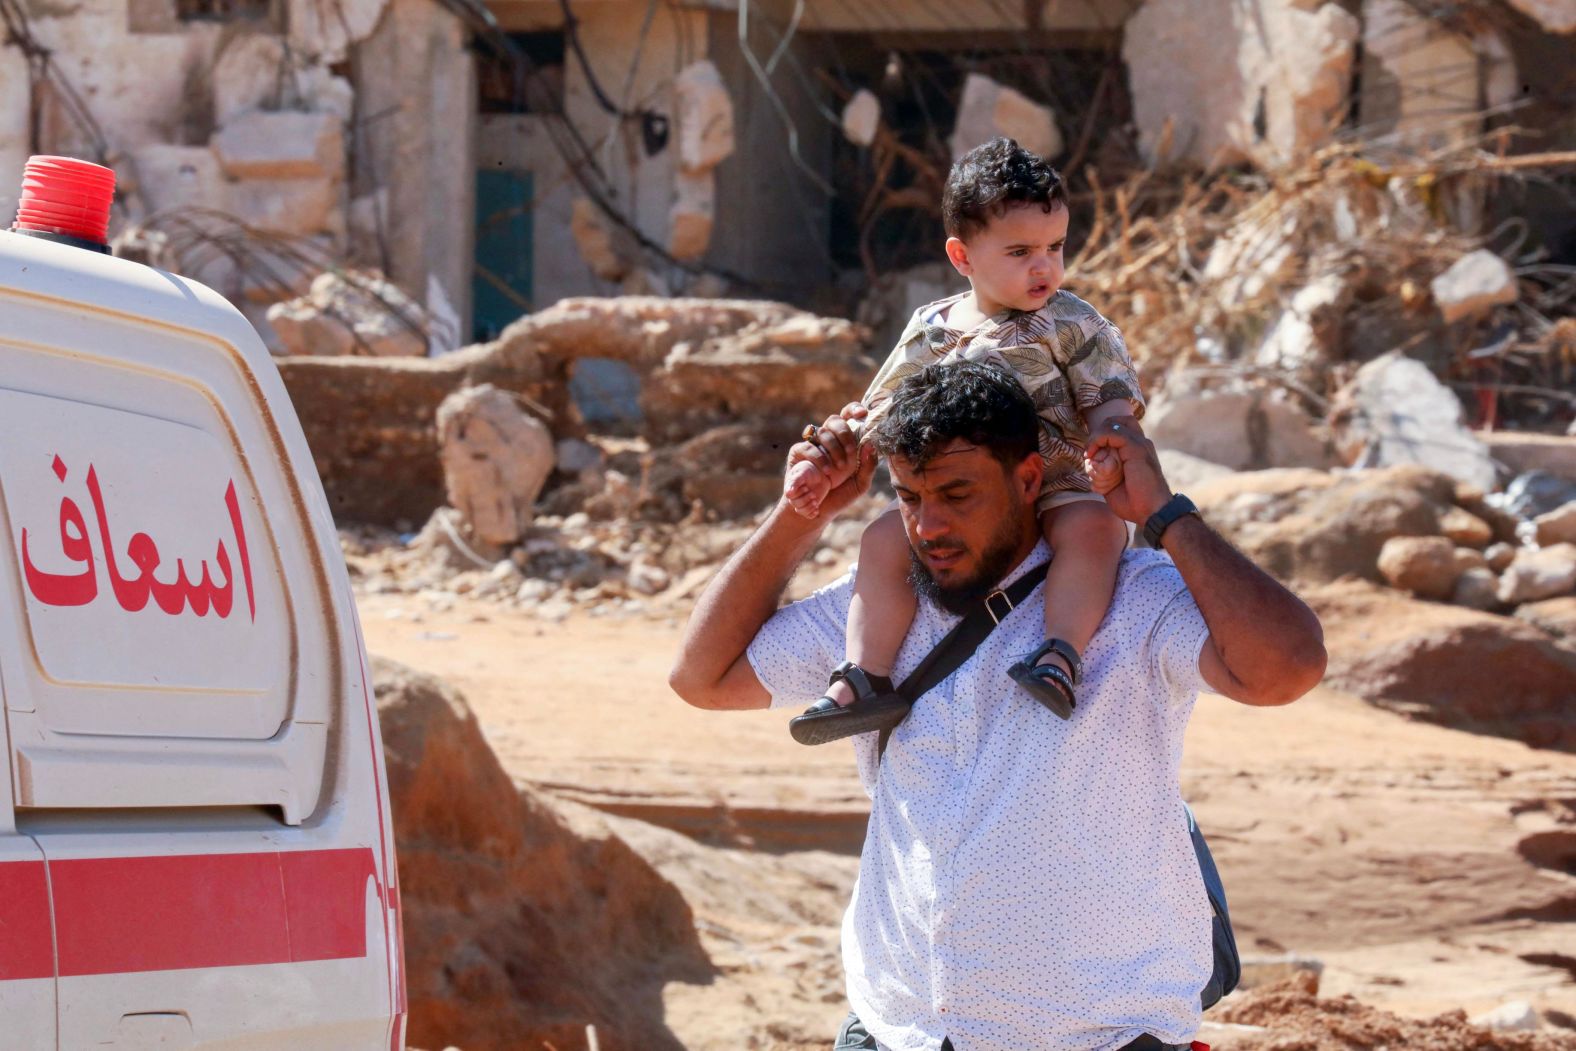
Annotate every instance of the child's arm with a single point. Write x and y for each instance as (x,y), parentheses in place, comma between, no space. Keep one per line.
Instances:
(810,476)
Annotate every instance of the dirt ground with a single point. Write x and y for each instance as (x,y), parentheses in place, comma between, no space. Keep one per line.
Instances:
(1428,869)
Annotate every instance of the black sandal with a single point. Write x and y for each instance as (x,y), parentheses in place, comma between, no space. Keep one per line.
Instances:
(1048,684)
(876,706)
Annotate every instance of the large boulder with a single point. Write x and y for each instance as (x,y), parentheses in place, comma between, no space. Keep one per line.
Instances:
(1249,428)
(1222,82)
(496,458)
(1312,526)
(1455,666)
(524,922)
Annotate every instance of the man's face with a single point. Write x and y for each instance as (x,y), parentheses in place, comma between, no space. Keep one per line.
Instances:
(1016,261)
(969,520)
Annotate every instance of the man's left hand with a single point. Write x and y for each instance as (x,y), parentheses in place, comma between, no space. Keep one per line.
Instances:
(1142,490)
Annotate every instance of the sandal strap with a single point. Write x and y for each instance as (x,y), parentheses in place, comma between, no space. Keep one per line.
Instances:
(1063,649)
(1057,677)
(865,685)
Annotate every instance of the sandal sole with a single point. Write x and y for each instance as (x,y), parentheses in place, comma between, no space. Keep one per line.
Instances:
(824,729)
(1051,698)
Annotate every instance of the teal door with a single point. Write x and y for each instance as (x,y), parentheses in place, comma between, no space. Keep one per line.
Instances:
(501,289)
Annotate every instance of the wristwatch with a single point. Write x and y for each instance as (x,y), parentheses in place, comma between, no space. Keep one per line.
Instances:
(1177,507)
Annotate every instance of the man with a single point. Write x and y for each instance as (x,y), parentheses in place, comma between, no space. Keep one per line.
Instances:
(1025,882)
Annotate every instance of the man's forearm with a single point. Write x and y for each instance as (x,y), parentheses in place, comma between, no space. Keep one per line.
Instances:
(739,599)
(1268,639)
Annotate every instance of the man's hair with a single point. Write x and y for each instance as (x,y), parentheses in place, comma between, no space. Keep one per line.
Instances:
(981,403)
(993,177)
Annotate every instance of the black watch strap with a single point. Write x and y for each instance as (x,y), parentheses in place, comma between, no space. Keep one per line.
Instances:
(1177,507)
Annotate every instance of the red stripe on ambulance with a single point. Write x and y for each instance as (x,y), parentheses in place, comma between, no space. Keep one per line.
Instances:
(124,915)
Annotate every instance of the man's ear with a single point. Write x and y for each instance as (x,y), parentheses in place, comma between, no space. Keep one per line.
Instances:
(1028,476)
(958,254)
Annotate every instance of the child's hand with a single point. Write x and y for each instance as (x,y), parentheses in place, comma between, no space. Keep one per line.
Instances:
(1104,468)
(805,484)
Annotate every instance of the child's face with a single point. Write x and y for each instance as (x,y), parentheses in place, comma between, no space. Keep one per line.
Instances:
(1016,261)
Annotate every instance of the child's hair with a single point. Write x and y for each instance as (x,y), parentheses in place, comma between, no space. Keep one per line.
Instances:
(993,177)
(981,403)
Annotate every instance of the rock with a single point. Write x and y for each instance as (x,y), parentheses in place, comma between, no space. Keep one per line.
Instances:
(1499,556)
(1557,16)
(575,455)
(603,250)
(502,891)
(1476,588)
(1447,664)
(495,460)
(1536,493)
(1421,82)
(862,118)
(1484,506)
(704,115)
(1216,83)
(1468,558)
(1247,429)
(442,540)
(1557,526)
(285,145)
(647,579)
(988,110)
(1474,285)
(692,216)
(1517,1016)
(1423,565)
(1465,528)
(1184,471)
(1311,526)
(1557,616)
(1306,335)
(1538,574)
(1265,970)
(350,314)
(1396,412)
(1521,451)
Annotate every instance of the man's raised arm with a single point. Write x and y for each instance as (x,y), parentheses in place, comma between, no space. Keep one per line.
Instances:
(1265,645)
(711,670)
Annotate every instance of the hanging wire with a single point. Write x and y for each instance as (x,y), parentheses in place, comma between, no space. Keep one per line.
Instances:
(781,108)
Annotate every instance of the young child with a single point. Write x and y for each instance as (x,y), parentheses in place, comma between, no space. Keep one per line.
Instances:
(1006,217)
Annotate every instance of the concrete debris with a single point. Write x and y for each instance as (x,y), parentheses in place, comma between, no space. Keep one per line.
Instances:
(167,177)
(1396,412)
(1474,285)
(988,109)
(1539,574)
(704,117)
(327,30)
(693,215)
(1421,81)
(1257,254)
(1306,335)
(1517,1016)
(1221,83)
(1557,16)
(1242,429)
(1423,565)
(1557,526)
(284,145)
(295,207)
(339,316)
(862,118)
(1469,558)
(495,461)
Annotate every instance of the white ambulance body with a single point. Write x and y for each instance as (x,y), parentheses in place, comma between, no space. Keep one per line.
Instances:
(195,841)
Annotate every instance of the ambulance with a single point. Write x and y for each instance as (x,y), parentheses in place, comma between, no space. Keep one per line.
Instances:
(195,840)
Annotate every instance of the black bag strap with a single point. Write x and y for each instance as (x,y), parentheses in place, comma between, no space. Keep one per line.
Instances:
(964,638)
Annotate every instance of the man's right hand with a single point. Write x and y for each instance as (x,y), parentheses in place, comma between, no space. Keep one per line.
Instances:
(837,454)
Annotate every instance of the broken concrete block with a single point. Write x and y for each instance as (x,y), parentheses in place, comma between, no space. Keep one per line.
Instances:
(338,316)
(1304,337)
(988,109)
(328,30)
(1473,285)
(1547,572)
(1557,526)
(495,460)
(251,71)
(596,241)
(693,214)
(1397,412)
(1420,81)
(862,118)
(1423,565)
(1247,429)
(298,207)
(704,113)
(1221,82)
(166,177)
(1557,16)
(283,145)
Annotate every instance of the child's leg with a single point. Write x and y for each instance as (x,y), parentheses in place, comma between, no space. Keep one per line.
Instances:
(883,604)
(1087,540)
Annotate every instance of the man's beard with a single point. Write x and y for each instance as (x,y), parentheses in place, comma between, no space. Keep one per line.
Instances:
(998,557)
